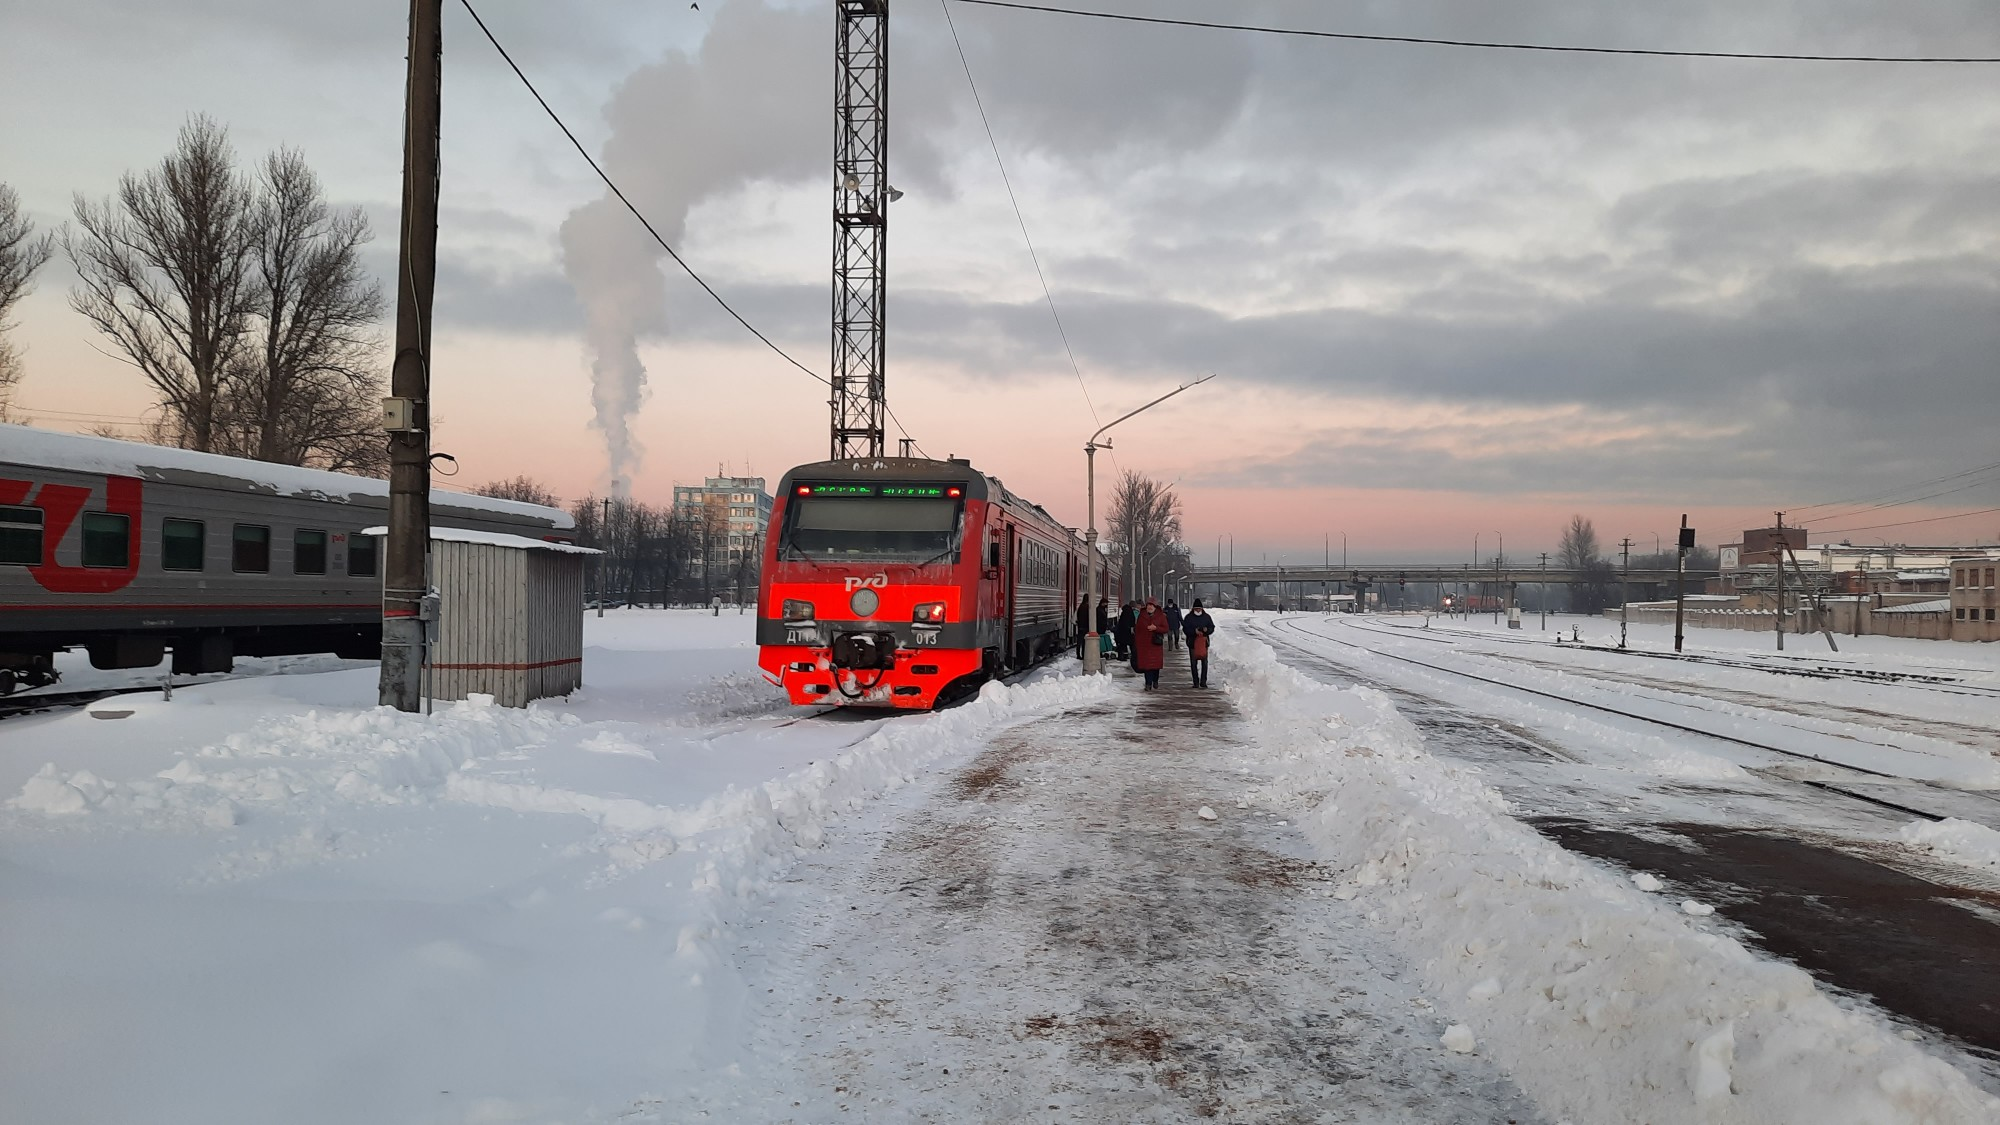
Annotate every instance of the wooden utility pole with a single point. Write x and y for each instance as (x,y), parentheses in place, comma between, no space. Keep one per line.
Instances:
(1624,592)
(405,578)
(1542,594)
(1779,553)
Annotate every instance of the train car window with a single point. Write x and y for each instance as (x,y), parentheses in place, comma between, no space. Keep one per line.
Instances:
(183,544)
(308,551)
(361,556)
(250,549)
(21,536)
(107,539)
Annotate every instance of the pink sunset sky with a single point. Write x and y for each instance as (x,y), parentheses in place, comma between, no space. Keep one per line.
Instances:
(1445,294)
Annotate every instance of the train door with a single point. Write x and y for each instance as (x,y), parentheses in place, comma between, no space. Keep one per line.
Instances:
(1009,581)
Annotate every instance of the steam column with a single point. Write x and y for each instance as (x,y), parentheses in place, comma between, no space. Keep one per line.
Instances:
(861,196)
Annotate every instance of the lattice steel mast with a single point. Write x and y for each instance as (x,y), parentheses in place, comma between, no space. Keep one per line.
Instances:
(861,196)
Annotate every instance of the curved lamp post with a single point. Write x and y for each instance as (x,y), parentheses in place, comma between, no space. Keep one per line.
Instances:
(1092,660)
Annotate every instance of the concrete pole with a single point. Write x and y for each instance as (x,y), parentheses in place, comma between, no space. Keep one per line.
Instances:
(1092,660)
(405,569)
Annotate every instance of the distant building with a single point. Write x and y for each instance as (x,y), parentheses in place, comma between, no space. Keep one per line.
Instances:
(1975,614)
(733,514)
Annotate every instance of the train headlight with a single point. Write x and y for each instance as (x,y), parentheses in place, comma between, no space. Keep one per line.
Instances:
(930,613)
(797,610)
(864,602)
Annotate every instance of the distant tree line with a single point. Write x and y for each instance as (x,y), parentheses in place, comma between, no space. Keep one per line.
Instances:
(653,554)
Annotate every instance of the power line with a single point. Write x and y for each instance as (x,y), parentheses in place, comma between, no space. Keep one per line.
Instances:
(1884,494)
(1862,511)
(1018,217)
(1906,523)
(1474,43)
(643,221)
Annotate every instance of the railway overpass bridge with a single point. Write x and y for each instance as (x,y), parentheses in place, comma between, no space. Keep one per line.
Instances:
(1412,583)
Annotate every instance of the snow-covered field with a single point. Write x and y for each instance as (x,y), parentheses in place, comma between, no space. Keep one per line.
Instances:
(268,900)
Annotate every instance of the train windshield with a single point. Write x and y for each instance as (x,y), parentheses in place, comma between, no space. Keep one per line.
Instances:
(886,528)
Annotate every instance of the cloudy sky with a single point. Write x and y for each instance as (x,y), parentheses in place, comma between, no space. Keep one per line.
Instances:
(1447,291)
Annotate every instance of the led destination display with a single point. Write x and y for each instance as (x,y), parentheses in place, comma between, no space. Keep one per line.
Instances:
(890,491)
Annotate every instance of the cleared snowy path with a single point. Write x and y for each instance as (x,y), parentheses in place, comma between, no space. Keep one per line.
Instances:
(1055,934)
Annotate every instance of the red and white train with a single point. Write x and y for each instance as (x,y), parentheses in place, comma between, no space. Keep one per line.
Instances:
(891,582)
(131,550)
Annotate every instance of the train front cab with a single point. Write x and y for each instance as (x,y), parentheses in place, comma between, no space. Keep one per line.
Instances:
(872,591)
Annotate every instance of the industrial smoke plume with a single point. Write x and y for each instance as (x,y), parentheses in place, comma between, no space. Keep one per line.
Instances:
(749,105)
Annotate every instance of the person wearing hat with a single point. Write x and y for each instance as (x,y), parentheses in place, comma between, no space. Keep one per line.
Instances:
(1198,625)
(1149,643)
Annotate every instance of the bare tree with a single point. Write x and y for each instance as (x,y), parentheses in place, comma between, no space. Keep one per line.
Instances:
(1579,544)
(21,254)
(1145,532)
(309,390)
(1595,588)
(526,489)
(165,270)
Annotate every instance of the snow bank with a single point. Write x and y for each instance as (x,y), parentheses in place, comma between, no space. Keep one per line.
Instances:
(1959,841)
(1602,1001)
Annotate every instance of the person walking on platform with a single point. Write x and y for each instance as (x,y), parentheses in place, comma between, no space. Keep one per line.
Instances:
(1173,626)
(1082,624)
(1198,626)
(1127,614)
(1149,645)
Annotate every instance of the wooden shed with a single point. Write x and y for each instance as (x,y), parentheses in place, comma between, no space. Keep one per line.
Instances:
(510,616)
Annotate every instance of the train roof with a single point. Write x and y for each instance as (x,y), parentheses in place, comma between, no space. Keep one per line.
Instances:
(979,486)
(82,453)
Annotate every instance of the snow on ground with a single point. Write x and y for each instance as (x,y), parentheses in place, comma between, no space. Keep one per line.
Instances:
(1603,1002)
(267,899)
(1934,725)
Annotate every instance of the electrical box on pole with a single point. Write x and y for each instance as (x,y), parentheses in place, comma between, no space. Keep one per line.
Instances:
(861,195)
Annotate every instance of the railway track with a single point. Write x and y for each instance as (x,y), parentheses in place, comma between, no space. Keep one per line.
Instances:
(1773,664)
(1824,786)
(38,702)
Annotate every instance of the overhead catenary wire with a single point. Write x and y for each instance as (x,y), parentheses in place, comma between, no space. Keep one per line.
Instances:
(980,104)
(1478,44)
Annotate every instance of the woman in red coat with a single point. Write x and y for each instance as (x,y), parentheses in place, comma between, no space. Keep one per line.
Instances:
(1149,643)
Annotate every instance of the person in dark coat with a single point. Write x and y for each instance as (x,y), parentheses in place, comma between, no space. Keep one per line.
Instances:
(1173,626)
(1103,616)
(1127,614)
(1198,626)
(1149,644)
(1082,624)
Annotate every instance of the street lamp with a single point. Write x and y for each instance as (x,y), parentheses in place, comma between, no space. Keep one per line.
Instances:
(1496,576)
(1092,660)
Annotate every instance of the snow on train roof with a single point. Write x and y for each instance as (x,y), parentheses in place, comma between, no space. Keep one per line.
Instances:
(493,539)
(25,445)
